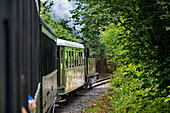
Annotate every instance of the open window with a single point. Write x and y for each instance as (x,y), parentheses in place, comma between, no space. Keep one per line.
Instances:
(72,59)
(66,59)
(75,64)
(69,59)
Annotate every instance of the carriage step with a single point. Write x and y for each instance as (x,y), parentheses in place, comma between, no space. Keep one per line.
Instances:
(60,101)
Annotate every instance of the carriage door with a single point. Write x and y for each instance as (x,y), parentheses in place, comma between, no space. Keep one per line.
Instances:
(61,65)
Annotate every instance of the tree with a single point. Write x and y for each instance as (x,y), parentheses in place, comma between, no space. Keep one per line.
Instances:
(59,27)
(139,35)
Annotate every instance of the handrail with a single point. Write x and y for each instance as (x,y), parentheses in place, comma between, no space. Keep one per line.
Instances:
(37,5)
(50,74)
(37,92)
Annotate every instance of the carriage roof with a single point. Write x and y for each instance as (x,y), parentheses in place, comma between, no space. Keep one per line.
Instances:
(61,42)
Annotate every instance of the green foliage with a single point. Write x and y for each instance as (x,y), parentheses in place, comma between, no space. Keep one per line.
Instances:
(137,31)
(145,23)
(94,110)
(128,95)
(58,27)
(91,30)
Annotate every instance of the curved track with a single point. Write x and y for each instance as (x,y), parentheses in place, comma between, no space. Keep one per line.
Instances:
(78,101)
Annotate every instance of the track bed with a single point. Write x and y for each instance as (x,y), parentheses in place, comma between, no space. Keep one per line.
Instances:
(77,102)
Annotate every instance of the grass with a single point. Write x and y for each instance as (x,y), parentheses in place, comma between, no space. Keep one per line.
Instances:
(101,105)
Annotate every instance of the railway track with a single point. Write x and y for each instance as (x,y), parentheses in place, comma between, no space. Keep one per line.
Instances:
(77,101)
(98,83)
(101,81)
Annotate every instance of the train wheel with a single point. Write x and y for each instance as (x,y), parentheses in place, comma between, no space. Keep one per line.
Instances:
(90,85)
(86,85)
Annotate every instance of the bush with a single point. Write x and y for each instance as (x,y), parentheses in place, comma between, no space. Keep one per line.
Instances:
(128,94)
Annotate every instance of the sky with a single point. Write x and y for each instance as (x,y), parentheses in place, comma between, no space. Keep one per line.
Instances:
(61,9)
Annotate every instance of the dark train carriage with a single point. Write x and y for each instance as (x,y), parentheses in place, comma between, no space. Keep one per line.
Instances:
(91,75)
(71,74)
(19,54)
(90,68)
(30,55)
(48,66)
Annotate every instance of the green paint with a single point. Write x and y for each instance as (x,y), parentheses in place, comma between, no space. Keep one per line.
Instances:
(73,76)
(45,31)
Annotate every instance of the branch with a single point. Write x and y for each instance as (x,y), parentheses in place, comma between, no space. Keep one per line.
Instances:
(136,37)
(134,8)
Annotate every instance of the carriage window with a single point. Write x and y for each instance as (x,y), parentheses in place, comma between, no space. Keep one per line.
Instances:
(72,59)
(49,58)
(75,59)
(66,59)
(72,54)
(69,59)
(61,53)
(79,58)
(82,58)
(69,53)
(81,63)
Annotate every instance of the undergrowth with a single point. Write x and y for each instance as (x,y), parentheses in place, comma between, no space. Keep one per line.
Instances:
(100,105)
(129,94)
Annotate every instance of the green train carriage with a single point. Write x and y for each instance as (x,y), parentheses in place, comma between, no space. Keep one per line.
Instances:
(70,57)
(75,68)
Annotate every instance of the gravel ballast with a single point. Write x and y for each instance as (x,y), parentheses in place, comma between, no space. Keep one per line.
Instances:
(78,102)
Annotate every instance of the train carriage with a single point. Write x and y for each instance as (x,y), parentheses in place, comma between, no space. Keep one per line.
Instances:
(90,68)
(48,66)
(19,54)
(75,67)
(71,66)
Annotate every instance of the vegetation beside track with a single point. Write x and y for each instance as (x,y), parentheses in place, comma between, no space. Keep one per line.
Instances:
(127,94)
